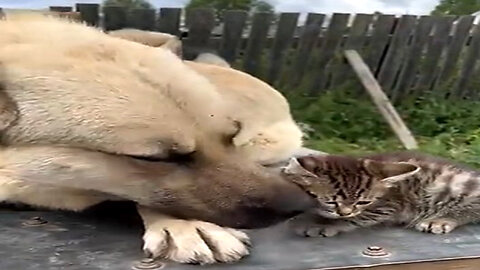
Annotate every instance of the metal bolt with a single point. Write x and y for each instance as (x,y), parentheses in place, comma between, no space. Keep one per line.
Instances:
(35,221)
(375,251)
(147,263)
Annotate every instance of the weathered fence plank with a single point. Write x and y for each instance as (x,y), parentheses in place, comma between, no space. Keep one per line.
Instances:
(357,34)
(355,40)
(459,40)
(169,20)
(256,43)
(379,41)
(60,8)
(114,18)
(234,23)
(435,49)
(407,75)
(332,40)
(89,13)
(283,39)
(142,18)
(200,23)
(468,67)
(395,54)
(308,41)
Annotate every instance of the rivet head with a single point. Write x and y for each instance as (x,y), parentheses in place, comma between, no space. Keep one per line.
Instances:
(35,221)
(147,264)
(375,251)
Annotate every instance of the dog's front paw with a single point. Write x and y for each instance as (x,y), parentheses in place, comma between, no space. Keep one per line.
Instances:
(194,242)
(437,226)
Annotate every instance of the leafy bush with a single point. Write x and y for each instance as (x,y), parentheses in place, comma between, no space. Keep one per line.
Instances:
(342,122)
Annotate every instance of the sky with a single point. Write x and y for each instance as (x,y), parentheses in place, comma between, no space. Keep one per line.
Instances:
(416,7)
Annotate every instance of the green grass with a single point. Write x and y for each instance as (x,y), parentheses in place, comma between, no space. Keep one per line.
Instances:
(343,123)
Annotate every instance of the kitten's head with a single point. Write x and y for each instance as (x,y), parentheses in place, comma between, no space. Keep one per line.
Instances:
(345,186)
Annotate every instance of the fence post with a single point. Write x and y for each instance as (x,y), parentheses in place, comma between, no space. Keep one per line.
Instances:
(115,17)
(89,13)
(283,38)
(234,23)
(307,43)
(141,18)
(200,23)
(256,42)
(331,42)
(169,20)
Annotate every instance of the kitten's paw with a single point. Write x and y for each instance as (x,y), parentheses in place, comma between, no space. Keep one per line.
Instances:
(194,242)
(317,230)
(437,226)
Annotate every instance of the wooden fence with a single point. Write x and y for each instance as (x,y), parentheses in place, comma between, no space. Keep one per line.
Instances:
(408,54)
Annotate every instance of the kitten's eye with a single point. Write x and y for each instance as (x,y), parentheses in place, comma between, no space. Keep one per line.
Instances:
(364,202)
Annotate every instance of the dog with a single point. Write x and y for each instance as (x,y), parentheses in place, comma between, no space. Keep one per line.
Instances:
(100,118)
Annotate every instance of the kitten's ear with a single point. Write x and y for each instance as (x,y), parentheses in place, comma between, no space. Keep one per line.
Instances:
(294,167)
(390,172)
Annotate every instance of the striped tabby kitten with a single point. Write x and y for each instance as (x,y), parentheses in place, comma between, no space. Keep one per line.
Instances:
(431,194)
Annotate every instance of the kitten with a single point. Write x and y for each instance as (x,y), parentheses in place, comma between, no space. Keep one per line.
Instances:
(428,193)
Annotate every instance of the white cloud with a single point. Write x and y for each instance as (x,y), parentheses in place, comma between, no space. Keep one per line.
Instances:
(418,7)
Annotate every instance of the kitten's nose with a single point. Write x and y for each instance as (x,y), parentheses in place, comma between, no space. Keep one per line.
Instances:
(345,211)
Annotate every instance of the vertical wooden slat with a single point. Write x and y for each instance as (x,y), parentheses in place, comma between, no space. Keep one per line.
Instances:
(256,42)
(469,62)
(355,40)
(435,48)
(459,40)
(200,23)
(357,34)
(308,40)
(378,42)
(234,23)
(334,36)
(283,38)
(142,18)
(420,38)
(89,13)
(169,20)
(115,17)
(60,8)
(395,53)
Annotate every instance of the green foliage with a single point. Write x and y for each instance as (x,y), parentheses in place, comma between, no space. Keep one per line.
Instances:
(345,123)
(128,4)
(221,6)
(456,7)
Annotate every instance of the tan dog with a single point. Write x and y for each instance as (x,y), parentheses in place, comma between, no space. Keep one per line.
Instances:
(77,87)
(268,133)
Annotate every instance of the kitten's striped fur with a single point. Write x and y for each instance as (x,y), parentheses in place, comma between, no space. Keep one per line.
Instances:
(428,193)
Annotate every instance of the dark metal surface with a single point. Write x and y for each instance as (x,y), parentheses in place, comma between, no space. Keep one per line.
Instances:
(101,240)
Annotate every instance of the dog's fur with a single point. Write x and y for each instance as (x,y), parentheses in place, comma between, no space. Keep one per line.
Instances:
(77,87)
(268,134)
(150,38)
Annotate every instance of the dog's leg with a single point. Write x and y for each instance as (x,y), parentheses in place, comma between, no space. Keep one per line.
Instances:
(191,241)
